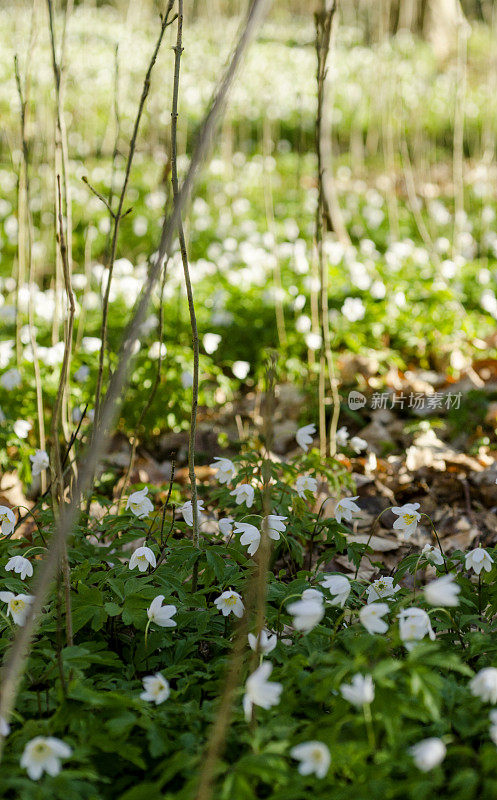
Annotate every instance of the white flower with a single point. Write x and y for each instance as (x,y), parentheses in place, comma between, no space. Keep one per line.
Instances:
(4,727)
(250,536)
(357,444)
(381,588)
(187,511)
(259,691)
(414,625)
(346,509)
(228,602)
(211,342)
(428,753)
(371,617)
(17,605)
(21,428)
(160,614)
(479,559)
(156,689)
(313,594)
(11,379)
(82,373)
(264,643)
(442,592)
(39,462)
(353,309)
(8,520)
(305,483)
(21,565)
(342,437)
(408,518)
(339,586)
(225,526)
(43,754)
(484,685)
(304,436)
(314,758)
(141,558)
(225,469)
(307,613)
(432,554)
(275,526)
(360,691)
(244,493)
(139,504)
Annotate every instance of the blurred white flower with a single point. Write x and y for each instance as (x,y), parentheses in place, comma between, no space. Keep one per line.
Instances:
(342,437)
(11,379)
(353,309)
(17,605)
(21,565)
(240,369)
(264,643)
(433,554)
(338,586)
(82,374)
(314,758)
(305,483)
(250,536)
(21,428)
(408,518)
(186,379)
(39,462)
(8,520)
(259,691)
(43,754)
(357,444)
(156,689)
(142,558)
(304,436)
(225,469)
(228,602)
(428,753)
(243,493)
(187,511)
(313,341)
(381,588)
(479,559)
(443,591)
(371,616)
(139,504)
(306,613)
(360,692)
(211,342)
(484,685)
(225,526)
(160,614)
(346,509)
(414,625)
(4,727)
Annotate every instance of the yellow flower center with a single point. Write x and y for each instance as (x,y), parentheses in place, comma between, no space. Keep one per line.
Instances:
(409,518)
(17,604)
(317,755)
(231,600)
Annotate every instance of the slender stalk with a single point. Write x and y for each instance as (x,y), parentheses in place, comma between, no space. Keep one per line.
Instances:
(189,292)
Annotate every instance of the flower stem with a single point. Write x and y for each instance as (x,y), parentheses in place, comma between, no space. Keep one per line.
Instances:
(369,725)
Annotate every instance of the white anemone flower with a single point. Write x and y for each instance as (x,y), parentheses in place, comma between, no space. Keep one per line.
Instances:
(304,436)
(160,614)
(479,559)
(360,691)
(187,511)
(381,588)
(243,493)
(20,565)
(443,591)
(264,643)
(251,536)
(484,685)
(259,691)
(357,444)
(342,437)
(228,602)
(8,520)
(338,586)
(305,483)
(371,616)
(408,518)
(156,689)
(142,558)
(225,526)
(4,727)
(225,469)
(346,509)
(306,613)
(139,504)
(39,462)
(428,753)
(17,605)
(43,754)
(414,625)
(314,758)
(433,555)
(22,428)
